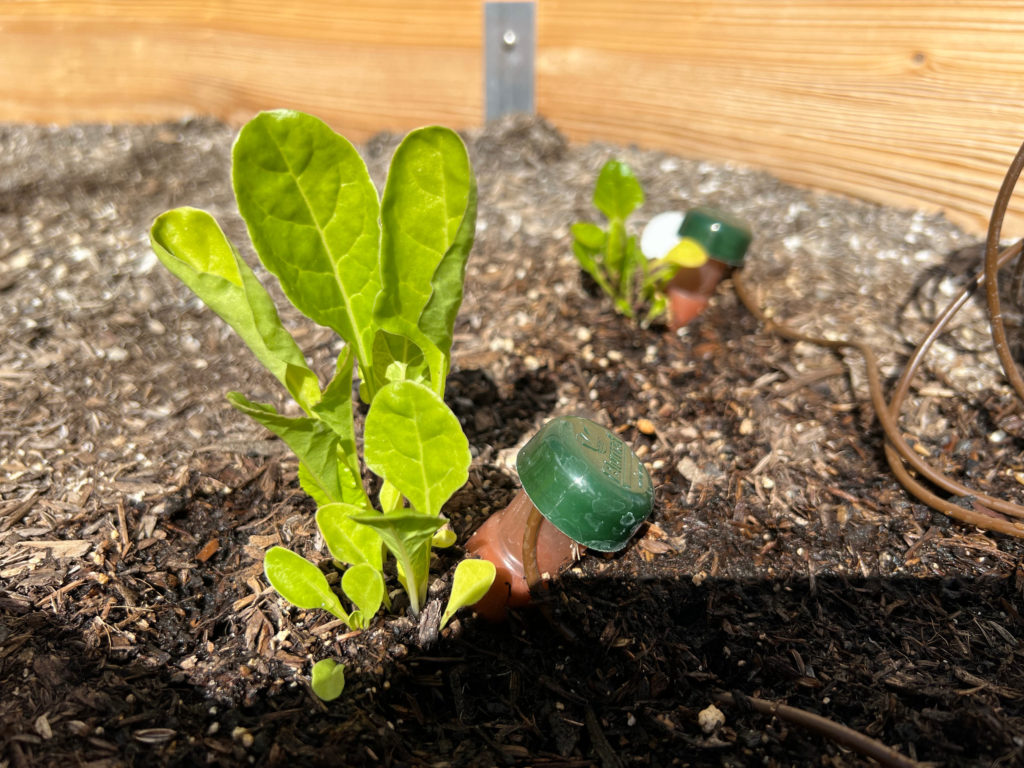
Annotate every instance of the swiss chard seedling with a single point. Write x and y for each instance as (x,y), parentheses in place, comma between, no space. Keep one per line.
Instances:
(611,255)
(387,275)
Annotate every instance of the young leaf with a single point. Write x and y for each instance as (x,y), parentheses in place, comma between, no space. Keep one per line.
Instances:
(407,535)
(390,498)
(335,410)
(587,253)
(364,586)
(444,538)
(312,440)
(397,358)
(193,248)
(347,540)
(428,218)
(311,485)
(312,212)
(471,581)
(414,441)
(300,582)
(328,679)
(617,192)
(589,235)
(615,256)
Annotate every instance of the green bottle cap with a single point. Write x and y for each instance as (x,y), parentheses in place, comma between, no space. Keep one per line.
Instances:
(587,482)
(723,237)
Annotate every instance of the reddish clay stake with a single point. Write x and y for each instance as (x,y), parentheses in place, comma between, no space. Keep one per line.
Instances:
(690,289)
(721,238)
(500,540)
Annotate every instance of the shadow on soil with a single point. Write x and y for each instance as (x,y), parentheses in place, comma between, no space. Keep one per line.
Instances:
(488,418)
(613,674)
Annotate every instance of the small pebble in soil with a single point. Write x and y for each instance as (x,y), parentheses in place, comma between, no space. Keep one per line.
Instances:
(242,736)
(711,719)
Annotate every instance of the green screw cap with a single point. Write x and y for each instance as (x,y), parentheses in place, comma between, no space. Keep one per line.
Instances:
(725,238)
(587,482)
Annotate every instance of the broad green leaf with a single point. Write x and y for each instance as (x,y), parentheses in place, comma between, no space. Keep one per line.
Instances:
(428,219)
(470,583)
(312,213)
(193,248)
(328,679)
(347,540)
(335,410)
(589,235)
(617,192)
(438,318)
(313,442)
(364,586)
(311,486)
(300,582)
(407,535)
(414,441)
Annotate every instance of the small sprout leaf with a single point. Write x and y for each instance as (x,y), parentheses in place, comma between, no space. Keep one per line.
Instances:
(328,679)
(300,582)
(364,586)
(444,537)
(470,583)
(398,358)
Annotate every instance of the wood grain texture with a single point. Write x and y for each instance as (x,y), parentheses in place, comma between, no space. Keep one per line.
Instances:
(363,66)
(914,103)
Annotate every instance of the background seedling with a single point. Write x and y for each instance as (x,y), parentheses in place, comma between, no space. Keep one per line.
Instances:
(612,257)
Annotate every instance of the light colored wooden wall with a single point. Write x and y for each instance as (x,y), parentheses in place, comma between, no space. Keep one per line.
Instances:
(916,102)
(363,66)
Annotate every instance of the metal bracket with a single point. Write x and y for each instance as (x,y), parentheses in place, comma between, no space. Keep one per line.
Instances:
(509,49)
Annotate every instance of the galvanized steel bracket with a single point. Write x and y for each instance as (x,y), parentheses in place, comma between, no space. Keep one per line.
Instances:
(509,50)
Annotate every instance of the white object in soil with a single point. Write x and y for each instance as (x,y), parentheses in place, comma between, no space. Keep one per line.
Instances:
(661,234)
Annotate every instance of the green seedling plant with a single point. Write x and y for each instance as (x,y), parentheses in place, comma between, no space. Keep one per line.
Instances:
(386,274)
(612,257)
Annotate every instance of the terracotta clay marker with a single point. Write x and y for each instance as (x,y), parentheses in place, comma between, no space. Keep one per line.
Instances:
(722,238)
(582,488)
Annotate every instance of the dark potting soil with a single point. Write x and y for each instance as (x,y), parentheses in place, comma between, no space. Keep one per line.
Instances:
(783,562)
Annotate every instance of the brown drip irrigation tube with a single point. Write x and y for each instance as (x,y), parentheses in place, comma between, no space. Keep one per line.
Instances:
(975,507)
